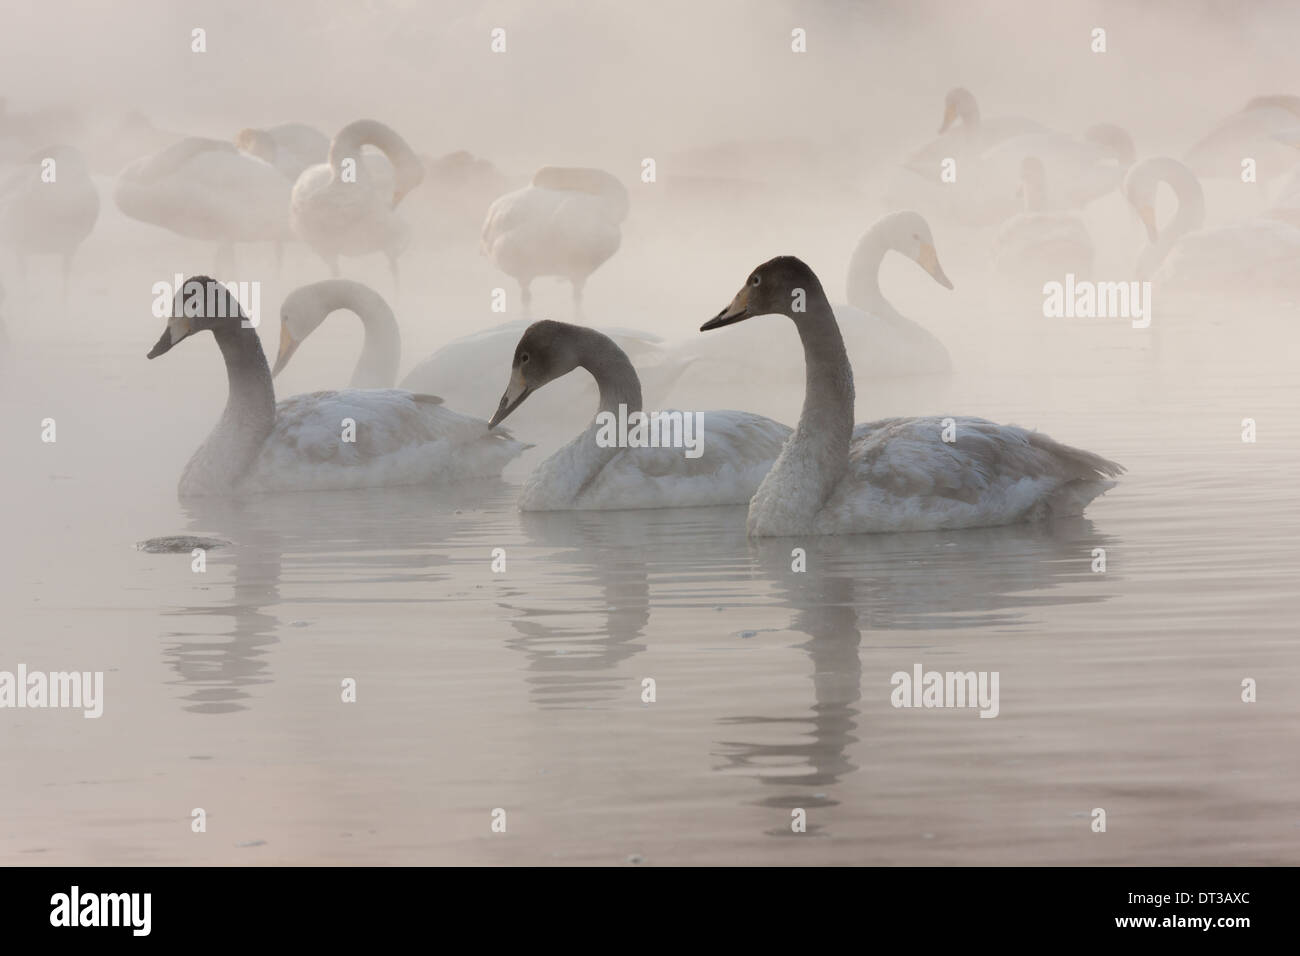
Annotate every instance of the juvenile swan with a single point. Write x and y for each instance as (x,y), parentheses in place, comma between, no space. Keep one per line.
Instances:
(896,474)
(588,474)
(306,442)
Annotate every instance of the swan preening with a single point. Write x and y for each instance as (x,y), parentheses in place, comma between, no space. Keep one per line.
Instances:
(591,473)
(208,189)
(565,223)
(353,438)
(897,474)
(1251,132)
(343,207)
(1255,257)
(289,147)
(48,206)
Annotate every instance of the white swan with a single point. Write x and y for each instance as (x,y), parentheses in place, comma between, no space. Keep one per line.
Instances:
(883,342)
(565,223)
(48,206)
(1255,257)
(897,474)
(341,208)
(1038,245)
(1250,132)
(458,370)
(289,147)
(965,133)
(303,443)
(737,447)
(1077,171)
(207,189)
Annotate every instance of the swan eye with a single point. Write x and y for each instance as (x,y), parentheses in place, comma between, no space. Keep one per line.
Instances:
(755,279)
(523,359)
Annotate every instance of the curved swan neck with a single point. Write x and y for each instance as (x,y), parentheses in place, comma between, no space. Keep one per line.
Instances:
(350,140)
(1189,217)
(863,287)
(381,352)
(610,367)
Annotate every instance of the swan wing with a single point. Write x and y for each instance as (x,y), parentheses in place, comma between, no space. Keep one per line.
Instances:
(357,438)
(903,476)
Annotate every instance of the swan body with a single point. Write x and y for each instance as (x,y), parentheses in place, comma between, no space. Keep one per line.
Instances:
(736,449)
(965,133)
(1039,245)
(1254,257)
(49,218)
(565,223)
(207,189)
(289,147)
(1078,171)
(1251,131)
(457,370)
(302,443)
(342,208)
(896,474)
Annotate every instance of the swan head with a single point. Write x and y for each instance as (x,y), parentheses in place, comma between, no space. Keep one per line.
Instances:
(908,232)
(546,351)
(200,303)
(780,286)
(302,311)
(959,104)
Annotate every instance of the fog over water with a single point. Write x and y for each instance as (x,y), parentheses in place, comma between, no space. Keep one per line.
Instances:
(523,688)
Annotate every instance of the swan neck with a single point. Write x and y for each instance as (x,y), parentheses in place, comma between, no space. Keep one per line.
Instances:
(827,416)
(381,351)
(613,371)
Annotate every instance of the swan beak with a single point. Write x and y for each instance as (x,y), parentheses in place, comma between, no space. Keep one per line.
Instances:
(177,328)
(736,312)
(1148,216)
(287,347)
(514,396)
(398,196)
(929,261)
(164,344)
(949,114)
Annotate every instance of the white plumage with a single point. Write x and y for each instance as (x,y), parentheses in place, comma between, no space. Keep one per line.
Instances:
(48,205)
(343,207)
(565,223)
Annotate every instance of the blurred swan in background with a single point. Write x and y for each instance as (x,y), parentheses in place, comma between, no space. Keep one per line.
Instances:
(289,147)
(896,474)
(458,370)
(207,189)
(1254,257)
(1037,245)
(48,206)
(884,342)
(565,223)
(299,444)
(737,447)
(1250,132)
(1077,171)
(342,208)
(965,133)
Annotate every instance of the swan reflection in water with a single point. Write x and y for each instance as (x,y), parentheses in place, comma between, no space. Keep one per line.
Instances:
(326,541)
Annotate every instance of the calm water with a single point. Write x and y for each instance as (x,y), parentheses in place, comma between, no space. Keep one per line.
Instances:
(522,690)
